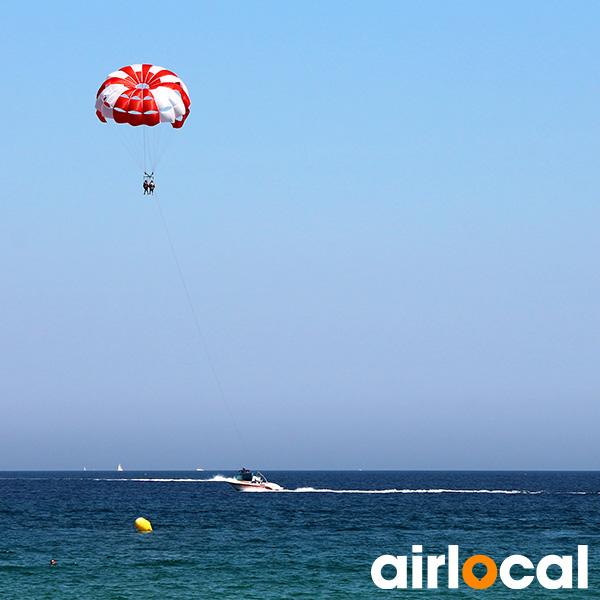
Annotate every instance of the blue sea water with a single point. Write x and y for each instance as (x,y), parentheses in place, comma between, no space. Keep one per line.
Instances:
(317,540)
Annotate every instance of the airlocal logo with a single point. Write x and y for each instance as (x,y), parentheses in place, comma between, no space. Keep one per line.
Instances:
(510,580)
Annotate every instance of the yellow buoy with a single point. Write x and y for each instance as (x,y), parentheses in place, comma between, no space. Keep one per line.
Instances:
(143,524)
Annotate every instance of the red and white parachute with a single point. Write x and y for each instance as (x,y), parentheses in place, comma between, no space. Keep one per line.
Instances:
(145,95)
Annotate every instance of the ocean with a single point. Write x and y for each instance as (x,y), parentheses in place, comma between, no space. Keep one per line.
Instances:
(316,540)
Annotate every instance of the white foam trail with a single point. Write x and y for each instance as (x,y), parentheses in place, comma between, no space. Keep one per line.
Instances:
(312,490)
(409,491)
(158,479)
(223,479)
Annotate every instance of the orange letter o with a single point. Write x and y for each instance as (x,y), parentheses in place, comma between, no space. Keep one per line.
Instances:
(487,580)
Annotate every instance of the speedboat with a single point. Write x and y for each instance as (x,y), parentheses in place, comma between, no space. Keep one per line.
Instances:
(249,481)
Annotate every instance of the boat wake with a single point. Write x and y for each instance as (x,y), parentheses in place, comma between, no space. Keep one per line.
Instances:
(218,478)
(305,490)
(313,490)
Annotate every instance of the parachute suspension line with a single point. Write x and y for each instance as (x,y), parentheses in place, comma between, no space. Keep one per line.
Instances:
(161,146)
(131,144)
(200,334)
(146,147)
(152,144)
(144,143)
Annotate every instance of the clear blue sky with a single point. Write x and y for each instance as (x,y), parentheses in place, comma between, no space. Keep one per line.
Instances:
(386,215)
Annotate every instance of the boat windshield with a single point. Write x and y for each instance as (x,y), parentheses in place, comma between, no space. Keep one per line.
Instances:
(244,475)
(253,476)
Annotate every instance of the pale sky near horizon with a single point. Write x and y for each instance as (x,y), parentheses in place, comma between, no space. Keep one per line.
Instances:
(386,215)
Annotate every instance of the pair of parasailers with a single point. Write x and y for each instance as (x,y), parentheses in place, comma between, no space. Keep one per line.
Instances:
(149,184)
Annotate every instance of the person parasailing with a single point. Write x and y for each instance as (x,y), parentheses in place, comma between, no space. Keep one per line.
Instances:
(149,183)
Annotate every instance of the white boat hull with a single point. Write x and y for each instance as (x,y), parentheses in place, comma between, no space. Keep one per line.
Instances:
(252,486)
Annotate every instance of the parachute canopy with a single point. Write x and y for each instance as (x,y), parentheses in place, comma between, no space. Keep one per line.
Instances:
(143,95)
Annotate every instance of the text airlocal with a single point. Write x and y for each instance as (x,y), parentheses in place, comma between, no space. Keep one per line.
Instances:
(426,570)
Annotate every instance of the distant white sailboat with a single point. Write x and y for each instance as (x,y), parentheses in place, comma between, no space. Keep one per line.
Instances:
(119,468)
